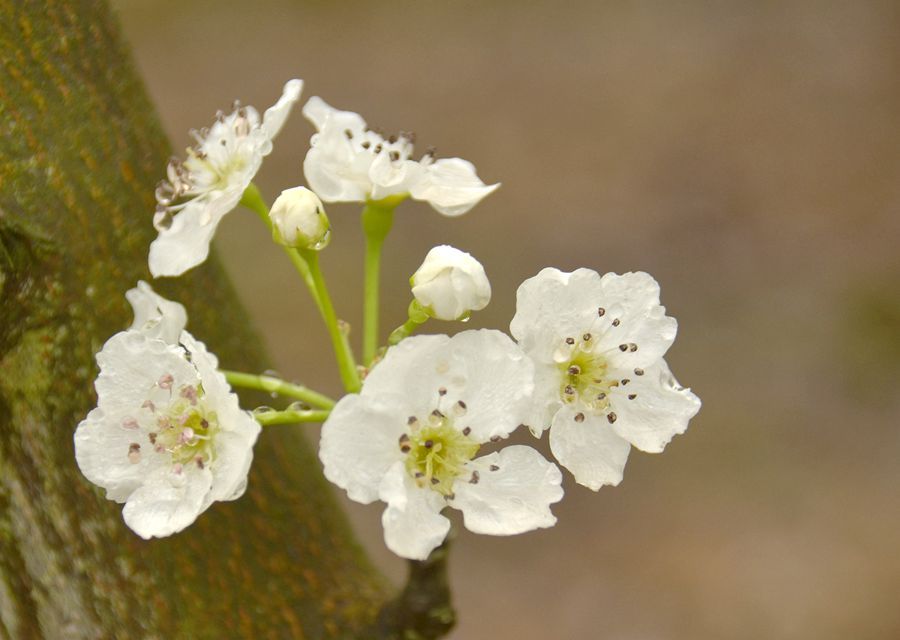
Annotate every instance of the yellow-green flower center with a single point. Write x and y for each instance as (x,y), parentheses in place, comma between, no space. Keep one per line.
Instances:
(437,452)
(584,377)
(185,428)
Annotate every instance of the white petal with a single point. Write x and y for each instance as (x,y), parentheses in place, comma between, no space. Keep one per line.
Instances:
(335,167)
(404,371)
(185,244)
(659,410)
(499,380)
(360,442)
(513,498)
(317,111)
(102,445)
(167,503)
(633,299)
(549,309)
(391,177)
(154,315)
(413,525)
(131,365)
(276,115)
(451,186)
(484,369)
(590,449)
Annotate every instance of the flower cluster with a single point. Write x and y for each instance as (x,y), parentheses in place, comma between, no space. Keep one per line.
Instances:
(423,430)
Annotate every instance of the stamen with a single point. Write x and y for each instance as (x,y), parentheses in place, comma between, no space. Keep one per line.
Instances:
(459,409)
(134,453)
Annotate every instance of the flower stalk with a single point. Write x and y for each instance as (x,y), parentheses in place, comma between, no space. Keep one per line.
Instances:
(377,220)
(270,384)
(339,341)
(289,416)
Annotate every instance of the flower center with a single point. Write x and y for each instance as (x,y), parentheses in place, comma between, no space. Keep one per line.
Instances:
(583,374)
(185,428)
(437,451)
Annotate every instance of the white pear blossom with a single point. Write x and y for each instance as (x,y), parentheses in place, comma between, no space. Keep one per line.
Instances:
(601,383)
(348,162)
(450,284)
(299,219)
(200,190)
(411,438)
(167,437)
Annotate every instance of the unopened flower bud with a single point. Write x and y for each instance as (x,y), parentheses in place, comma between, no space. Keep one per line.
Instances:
(299,220)
(450,284)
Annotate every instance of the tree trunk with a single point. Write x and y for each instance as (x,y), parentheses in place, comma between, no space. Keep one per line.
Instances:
(80,153)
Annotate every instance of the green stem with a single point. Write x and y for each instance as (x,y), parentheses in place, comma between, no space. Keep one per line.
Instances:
(253,200)
(377,219)
(346,363)
(417,317)
(270,384)
(266,418)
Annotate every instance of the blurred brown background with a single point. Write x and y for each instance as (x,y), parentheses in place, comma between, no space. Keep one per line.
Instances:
(746,154)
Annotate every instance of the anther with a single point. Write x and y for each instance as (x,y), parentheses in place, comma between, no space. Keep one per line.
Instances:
(475,478)
(611,417)
(638,372)
(574,370)
(569,390)
(495,467)
(130,423)
(601,312)
(394,156)
(437,414)
(623,347)
(165,381)
(199,461)
(435,481)
(586,337)
(632,396)
(152,437)
(601,396)
(134,453)
(429,444)
(412,421)
(570,340)
(349,134)
(625,381)
(496,438)
(459,409)
(616,322)
(579,417)
(148,404)
(467,431)
(442,391)
(377,148)
(632,347)
(366,144)
(419,474)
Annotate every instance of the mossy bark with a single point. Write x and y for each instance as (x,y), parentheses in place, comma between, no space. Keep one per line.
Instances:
(80,152)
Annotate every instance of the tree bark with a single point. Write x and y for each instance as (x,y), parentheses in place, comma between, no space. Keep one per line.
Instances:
(80,153)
